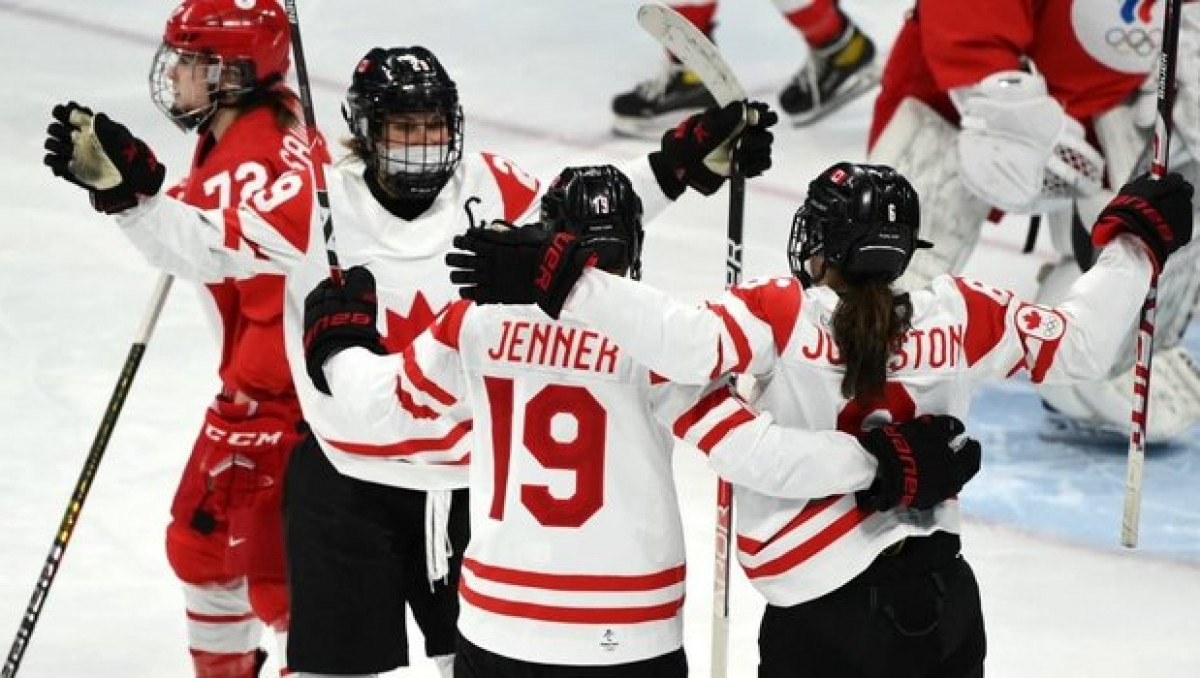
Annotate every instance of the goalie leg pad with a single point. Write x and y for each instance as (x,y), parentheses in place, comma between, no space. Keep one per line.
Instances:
(915,144)
(1104,406)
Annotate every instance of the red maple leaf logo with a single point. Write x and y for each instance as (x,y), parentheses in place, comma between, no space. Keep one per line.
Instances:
(401,330)
(1033,320)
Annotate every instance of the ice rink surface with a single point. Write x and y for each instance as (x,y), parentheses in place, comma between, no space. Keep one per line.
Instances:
(536,76)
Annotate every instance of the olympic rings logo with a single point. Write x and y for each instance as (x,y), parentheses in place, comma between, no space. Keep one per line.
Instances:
(1139,41)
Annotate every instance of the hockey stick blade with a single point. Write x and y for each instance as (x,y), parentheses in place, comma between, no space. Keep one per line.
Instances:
(693,49)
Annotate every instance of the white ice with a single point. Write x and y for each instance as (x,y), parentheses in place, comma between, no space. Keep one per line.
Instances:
(536,77)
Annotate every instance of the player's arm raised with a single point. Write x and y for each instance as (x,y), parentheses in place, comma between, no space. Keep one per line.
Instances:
(124,178)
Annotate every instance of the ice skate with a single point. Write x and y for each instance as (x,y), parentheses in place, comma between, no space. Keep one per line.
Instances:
(656,104)
(833,76)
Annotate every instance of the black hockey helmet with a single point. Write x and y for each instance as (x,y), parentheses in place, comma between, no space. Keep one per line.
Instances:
(409,84)
(598,204)
(863,219)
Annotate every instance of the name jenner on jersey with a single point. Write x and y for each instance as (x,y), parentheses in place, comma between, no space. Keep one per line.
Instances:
(552,345)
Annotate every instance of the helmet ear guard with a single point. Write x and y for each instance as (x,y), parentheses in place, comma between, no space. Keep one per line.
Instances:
(862,219)
(598,205)
(409,86)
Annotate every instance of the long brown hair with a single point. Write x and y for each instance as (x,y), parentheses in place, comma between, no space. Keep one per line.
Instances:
(869,325)
(283,102)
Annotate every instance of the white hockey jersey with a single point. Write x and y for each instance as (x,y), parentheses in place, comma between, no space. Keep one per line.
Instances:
(406,258)
(963,333)
(576,553)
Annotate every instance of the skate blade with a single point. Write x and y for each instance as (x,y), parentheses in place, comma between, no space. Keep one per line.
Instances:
(1060,429)
(862,85)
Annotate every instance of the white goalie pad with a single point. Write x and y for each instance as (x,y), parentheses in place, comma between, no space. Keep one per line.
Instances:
(914,143)
(1101,410)
(1019,149)
(1186,113)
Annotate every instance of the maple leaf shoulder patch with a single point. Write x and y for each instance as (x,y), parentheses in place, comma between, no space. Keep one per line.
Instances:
(1040,322)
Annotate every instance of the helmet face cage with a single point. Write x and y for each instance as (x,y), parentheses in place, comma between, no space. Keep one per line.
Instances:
(185,108)
(599,206)
(807,240)
(232,47)
(862,218)
(403,111)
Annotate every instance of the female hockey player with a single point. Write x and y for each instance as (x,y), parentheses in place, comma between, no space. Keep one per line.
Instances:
(220,71)
(576,560)
(369,532)
(856,588)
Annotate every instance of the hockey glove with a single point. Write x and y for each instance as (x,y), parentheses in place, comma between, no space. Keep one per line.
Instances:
(248,446)
(92,151)
(339,317)
(528,265)
(920,464)
(701,150)
(1157,211)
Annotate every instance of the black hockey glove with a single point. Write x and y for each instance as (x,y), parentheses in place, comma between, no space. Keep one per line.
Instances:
(527,265)
(92,151)
(1158,211)
(337,318)
(701,150)
(920,465)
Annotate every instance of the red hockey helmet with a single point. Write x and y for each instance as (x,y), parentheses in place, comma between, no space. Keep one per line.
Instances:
(242,45)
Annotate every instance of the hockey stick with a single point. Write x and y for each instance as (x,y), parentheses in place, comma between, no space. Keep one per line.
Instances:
(1145,336)
(699,55)
(314,140)
(66,528)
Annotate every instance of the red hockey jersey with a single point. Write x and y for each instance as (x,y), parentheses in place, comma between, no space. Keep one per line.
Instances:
(1093,53)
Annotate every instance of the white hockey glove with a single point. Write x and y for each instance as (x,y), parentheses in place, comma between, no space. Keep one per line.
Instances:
(1018,148)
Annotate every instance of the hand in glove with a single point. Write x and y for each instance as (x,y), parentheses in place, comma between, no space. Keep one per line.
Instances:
(246,445)
(527,265)
(92,151)
(339,317)
(701,151)
(920,463)
(1157,211)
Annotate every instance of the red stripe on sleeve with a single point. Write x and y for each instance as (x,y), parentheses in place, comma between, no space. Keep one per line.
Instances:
(448,327)
(418,379)
(408,447)
(722,429)
(740,343)
(696,412)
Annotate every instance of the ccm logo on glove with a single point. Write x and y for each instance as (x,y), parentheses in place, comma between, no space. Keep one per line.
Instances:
(242,438)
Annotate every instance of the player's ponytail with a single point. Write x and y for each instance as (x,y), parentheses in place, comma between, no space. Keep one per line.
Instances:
(869,324)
